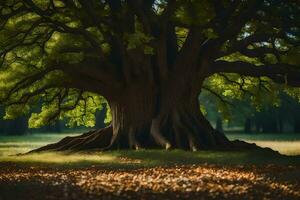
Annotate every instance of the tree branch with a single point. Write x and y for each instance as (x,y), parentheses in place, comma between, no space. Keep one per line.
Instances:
(280,73)
(220,97)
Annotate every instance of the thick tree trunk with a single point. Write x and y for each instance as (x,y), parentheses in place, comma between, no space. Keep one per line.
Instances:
(180,123)
(132,113)
(132,117)
(145,118)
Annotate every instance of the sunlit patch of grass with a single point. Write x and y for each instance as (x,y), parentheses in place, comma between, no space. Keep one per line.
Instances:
(62,158)
(265,136)
(10,146)
(32,138)
(150,158)
(287,144)
(284,147)
(10,151)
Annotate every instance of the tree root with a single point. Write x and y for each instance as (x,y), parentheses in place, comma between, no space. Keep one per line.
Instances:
(102,140)
(99,139)
(238,145)
(156,133)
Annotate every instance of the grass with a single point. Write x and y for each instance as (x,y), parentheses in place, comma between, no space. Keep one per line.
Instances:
(150,158)
(288,144)
(265,136)
(11,145)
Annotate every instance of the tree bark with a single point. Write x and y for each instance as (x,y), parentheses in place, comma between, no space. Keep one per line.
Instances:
(219,125)
(132,115)
(297,124)
(248,126)
(180,123)
(143,119)
(150,116)
(132,112)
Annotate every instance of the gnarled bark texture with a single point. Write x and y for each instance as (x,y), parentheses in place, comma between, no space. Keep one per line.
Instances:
(156,109)
(147,119)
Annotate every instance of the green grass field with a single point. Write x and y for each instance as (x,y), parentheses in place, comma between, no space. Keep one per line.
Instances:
(288,144)
(10,145)
(150,174)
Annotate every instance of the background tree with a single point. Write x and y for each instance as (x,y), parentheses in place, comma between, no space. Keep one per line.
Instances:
(17,126)
(149,59)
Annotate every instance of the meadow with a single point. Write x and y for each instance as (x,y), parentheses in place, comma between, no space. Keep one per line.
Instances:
(150,174)
(286,144)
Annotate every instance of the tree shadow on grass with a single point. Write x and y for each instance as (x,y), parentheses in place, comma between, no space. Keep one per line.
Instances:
(150,158)
(178,157)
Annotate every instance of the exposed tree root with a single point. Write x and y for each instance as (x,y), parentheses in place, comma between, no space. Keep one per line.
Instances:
(101,140)
(237,145)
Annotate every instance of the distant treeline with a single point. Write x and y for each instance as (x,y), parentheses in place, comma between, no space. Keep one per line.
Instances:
(19,126)
(243,117)
(272,119)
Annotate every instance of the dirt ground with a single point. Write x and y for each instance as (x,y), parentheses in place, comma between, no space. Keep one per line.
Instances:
(174,182)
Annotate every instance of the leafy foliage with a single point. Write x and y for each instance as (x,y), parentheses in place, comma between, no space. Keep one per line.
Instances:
(59,59)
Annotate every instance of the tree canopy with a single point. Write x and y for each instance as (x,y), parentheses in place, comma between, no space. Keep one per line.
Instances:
(73,55)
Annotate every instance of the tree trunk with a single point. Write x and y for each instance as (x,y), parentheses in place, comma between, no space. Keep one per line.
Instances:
(132,113)
(100,117)
(180,123)
(132,117)
(219,125)
(248,125)
(280,125)
(297,124)
(144,116)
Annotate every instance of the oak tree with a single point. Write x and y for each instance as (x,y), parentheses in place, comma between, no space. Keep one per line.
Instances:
(148,59)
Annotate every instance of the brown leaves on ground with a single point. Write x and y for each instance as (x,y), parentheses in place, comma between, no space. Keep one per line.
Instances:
(178,182)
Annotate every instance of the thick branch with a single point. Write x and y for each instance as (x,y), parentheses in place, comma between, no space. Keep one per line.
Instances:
(239,21)
(61,27)
(189,53)
(280,73)
(138,10)
(26,82)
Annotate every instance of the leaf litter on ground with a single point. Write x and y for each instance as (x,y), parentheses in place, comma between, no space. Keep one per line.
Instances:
(201,181)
